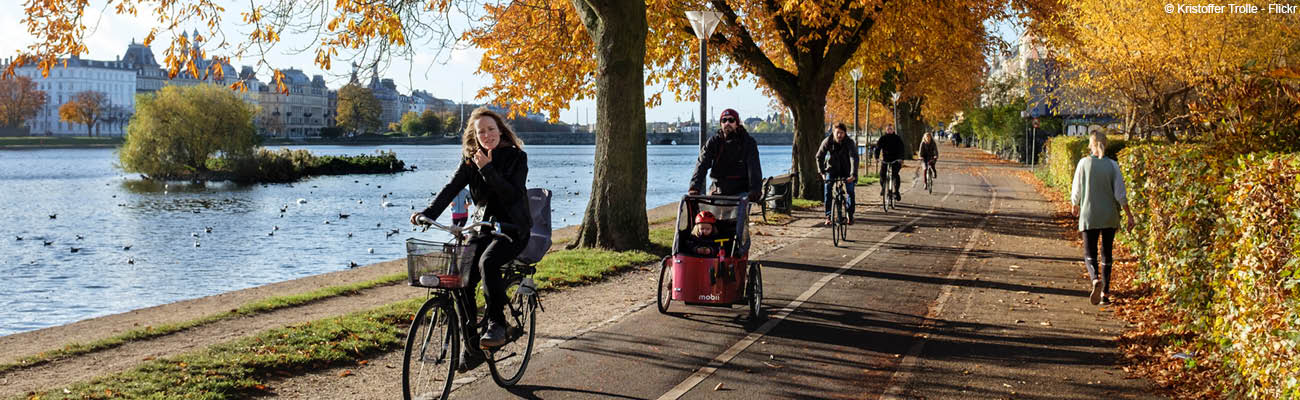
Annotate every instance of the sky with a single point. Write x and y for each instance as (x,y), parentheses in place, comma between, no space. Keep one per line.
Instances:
(109,35)
(453,78)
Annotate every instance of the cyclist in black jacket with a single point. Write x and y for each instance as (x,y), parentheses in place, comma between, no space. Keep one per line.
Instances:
(495,168)
(842,165)
(732,155)
(890,147)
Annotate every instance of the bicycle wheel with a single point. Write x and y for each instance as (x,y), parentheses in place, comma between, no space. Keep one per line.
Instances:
(844,213)
(665,292)
(836,221)
(755,286)
(429,360)
(509,361)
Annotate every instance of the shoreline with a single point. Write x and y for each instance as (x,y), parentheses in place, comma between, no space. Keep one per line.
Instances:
(95,328)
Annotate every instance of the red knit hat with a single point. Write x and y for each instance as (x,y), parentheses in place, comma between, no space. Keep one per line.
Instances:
(731,113)
(705,217)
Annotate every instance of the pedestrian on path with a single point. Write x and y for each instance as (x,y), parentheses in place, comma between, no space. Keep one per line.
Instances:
(460,208)
(1096,196)
(842,165)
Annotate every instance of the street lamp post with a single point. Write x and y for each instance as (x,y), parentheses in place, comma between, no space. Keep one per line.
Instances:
(857,129)
(1024,115)
(894,97)
(703,23)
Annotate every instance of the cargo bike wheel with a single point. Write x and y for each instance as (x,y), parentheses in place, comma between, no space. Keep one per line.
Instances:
(665,292)
(754,289)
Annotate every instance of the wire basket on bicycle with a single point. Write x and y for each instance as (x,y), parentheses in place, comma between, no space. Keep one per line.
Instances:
(438,265)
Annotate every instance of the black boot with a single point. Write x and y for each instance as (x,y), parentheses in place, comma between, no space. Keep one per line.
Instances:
(469,359)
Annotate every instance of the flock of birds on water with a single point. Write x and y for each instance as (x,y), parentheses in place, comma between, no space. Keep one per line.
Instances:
(384,202)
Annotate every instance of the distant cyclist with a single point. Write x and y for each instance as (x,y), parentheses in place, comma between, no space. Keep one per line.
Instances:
(842,165)
(930,153)
(889,148)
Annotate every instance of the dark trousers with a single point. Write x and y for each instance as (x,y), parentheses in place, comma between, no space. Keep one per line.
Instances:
(885,176)
(1090,237)
(830,192)
(459,221)
(492,253)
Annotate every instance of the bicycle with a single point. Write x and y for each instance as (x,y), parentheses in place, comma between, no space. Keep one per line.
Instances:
(432,353)
(930,174)
(839,213)
(888,174)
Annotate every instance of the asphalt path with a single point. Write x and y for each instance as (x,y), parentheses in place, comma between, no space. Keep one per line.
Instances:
(916,305)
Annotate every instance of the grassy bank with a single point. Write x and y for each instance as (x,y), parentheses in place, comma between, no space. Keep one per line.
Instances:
(149,332)
(241,368)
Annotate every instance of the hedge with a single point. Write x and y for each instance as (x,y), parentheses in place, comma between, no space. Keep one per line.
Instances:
(1257,308)
(1063,154)
(1218,239)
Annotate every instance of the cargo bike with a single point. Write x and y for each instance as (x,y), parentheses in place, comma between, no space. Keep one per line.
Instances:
(723,279)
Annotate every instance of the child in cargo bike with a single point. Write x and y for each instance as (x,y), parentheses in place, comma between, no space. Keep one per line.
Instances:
(703,239)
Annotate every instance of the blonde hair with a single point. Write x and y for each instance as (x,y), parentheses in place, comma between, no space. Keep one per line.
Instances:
(695,231)
(1097,142)
(469,141)
(929,137)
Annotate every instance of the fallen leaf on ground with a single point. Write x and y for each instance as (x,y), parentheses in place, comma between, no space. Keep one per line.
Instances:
(346,372)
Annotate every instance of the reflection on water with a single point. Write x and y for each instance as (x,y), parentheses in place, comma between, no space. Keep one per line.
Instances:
(139,243)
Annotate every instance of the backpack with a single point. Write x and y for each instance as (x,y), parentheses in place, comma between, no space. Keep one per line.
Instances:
(539,241)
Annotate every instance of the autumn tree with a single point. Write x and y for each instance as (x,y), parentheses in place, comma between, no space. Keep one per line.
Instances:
(432,124)
(176,130)
(359,110)
(88,108)
(1167,69)
(20,100)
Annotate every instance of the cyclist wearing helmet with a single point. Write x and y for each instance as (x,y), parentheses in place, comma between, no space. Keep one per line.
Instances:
(703,235)
(889,148)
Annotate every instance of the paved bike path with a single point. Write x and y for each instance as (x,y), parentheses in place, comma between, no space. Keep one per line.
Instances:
(922,303)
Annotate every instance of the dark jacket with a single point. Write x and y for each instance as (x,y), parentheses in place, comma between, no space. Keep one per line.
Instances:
(693,243)
(499,186)
(891,145)
(843,161)
(733,163)
(929,151)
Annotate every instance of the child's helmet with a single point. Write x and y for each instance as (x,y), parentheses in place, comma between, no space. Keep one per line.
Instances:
(705,217)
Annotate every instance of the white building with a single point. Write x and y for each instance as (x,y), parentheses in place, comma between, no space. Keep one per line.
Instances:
(113,78)
(300,113)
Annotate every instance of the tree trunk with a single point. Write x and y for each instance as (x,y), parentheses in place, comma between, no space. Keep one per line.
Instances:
(809,118)
(616,212)
(911,125)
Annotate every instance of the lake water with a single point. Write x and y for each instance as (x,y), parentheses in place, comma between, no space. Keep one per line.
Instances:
(100,211)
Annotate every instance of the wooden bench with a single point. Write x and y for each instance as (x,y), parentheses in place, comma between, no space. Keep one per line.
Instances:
(779,190)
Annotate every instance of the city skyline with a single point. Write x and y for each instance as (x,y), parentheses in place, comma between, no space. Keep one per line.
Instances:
(109,34)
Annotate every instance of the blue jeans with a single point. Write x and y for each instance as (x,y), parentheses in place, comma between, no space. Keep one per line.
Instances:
(830,191)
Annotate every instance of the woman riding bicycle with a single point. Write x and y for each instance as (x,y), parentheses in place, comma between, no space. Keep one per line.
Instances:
(495,168)
(842,165)
(930,153)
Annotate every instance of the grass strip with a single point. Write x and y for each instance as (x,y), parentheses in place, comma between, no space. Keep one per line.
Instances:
(241,368)
(804,203)
(150,332)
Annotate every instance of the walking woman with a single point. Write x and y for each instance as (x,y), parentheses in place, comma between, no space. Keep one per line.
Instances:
(1097,196)
(494,166)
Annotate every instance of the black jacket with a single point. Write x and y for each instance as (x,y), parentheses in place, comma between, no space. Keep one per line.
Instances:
(929,151)
(499,186)
(733,163)
(891,145)
(843,161)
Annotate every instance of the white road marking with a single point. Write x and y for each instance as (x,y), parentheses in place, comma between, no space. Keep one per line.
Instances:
(722,359)
(902,374)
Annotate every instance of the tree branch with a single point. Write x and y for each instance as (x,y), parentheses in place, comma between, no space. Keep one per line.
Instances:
(748,55)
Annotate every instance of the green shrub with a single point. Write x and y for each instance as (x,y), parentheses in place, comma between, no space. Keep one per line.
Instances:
(1257,311)
(1063,154)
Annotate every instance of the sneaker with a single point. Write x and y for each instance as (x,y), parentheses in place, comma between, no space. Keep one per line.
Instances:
(850,221)
(1095,297)
(828,221)
(469,360)
(898,197)
(495,336)
(1105,298)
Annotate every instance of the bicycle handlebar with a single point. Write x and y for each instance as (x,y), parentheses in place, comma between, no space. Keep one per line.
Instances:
(477,228)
